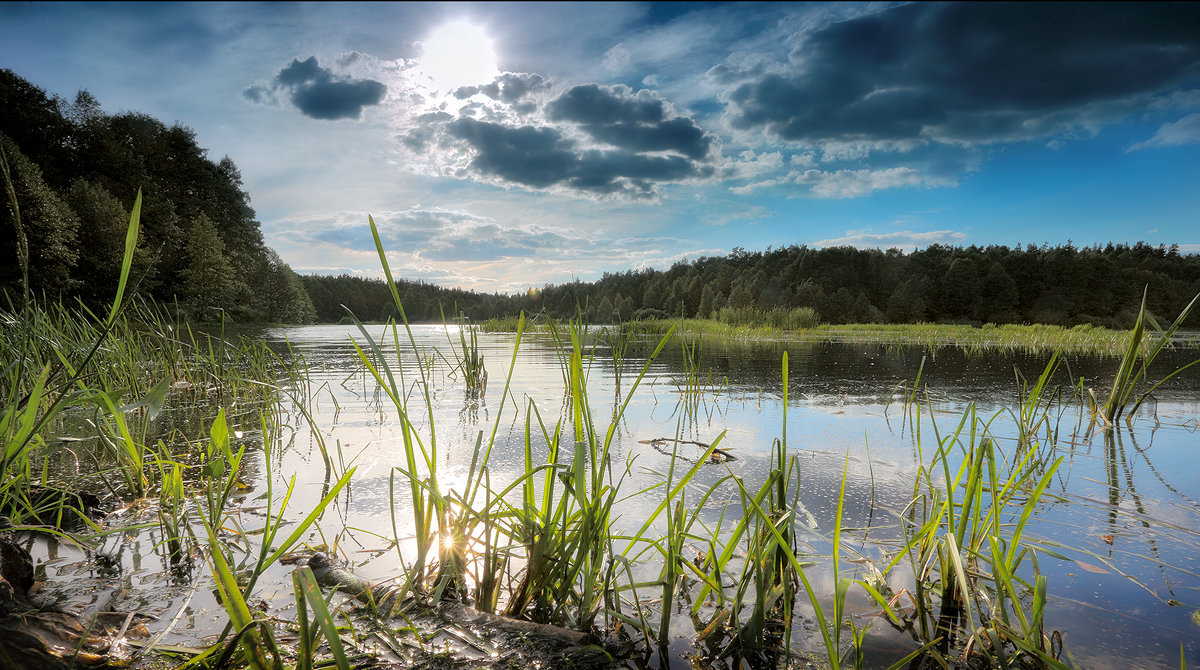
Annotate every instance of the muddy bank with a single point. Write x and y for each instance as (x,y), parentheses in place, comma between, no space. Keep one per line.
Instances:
(35,638)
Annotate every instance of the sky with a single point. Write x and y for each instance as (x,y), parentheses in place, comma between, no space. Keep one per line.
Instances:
(505,146)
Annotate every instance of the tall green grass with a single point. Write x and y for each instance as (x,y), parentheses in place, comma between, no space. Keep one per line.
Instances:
(1139,353)
(468,359)
(117,373)
(1036,338)
(964,543)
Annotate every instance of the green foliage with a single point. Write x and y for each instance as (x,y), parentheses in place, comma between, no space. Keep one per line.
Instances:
(1062,286)
(102,227)
(48,225)
(75,168)
(784,319)
(208,278)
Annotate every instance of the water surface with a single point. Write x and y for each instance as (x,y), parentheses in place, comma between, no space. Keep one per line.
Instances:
(1120,521)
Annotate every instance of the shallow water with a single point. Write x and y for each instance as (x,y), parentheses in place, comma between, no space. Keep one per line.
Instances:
(1123,510)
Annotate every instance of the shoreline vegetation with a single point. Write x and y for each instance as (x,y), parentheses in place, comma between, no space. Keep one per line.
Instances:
(1084,339)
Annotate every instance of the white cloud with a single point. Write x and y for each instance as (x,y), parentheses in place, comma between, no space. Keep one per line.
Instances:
(865,239)
(618,57)
(851,151)
(857,183)
(1181,132)
(467,250)
(757,185)
(748,164)
(749,214)
(843,184)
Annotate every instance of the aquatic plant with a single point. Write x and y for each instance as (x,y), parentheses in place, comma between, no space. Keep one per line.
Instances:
(252,633)
(1034,338)
(967,597)
(1135,364)
(468,360)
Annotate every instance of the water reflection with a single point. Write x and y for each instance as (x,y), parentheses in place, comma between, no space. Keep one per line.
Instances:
(1119,534)
(1124,540)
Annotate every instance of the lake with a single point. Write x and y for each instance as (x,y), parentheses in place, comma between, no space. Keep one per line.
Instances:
(1116,533)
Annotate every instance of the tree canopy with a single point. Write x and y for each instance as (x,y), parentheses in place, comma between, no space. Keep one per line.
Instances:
(1061,285)
(75,170)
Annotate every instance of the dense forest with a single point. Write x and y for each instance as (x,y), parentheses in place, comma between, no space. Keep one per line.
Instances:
(75,171)
(1061,285)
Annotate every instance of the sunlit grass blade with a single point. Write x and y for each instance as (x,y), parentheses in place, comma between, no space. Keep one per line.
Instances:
(306,583)
(131,236)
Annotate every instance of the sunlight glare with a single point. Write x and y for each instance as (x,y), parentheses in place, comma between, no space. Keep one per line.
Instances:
(458,54)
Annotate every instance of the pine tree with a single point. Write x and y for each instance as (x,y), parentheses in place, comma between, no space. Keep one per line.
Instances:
(47,230)
(208,277)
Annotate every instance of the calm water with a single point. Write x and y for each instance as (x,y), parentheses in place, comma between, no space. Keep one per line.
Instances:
(1123,511)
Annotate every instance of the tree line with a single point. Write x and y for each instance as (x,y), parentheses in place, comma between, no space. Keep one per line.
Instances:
(73,172)
(1062,285)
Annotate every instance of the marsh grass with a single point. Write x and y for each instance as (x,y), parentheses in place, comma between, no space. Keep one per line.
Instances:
(617,342)
(468,359)
(68,363)
(963,542)
(1139,353)
(237,575)
(1036,338)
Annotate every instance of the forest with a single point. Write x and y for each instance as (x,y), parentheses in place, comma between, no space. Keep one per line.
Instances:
(73,172)
(1059,285)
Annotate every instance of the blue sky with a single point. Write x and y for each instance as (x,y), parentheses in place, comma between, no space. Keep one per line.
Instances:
(506,146)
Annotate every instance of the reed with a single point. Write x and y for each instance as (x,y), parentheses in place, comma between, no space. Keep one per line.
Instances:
(468,359)
(1035,338)
(236,576)
(617,342)
(964,544)
(444,520)
(1139,354)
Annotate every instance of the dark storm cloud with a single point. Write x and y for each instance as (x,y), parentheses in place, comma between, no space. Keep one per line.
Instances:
(543,157)
(527,155)
(302,72)
(679,135)
(593,104)
(973,72)
(338,99)
(319,93)
(636,122)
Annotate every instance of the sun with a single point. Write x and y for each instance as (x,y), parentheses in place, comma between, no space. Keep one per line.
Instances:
(458,53)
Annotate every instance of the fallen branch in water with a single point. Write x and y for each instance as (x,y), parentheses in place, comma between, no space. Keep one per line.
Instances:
(718,455)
